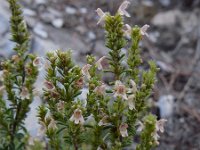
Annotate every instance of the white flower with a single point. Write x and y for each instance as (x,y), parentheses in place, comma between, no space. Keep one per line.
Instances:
(104,121)
(101,14)
(131,102)
(52,124)
(143,30)
(100,90)
(122,9)
(123,130)
(77,117)
(24,94)
(85,71)
(120,90)
(39,62)
(99,63)
(160,125)
(140,126)
(133,88)
(49,86)
(155,137)
(128,30)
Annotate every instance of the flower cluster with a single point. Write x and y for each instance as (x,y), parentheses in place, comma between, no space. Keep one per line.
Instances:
(81,109)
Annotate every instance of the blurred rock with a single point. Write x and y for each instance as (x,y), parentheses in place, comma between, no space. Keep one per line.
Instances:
(166,19)
(47,17)
(166,105)
(40,2)
(42,46)
(4,25)
(83,10)
(148,3)
(54,12)
(81,29)
(91,35)
(70,10)
(40,31)
(31,21)
(165,3)
(58,23)
(29,12)
(6,46)
(168,39)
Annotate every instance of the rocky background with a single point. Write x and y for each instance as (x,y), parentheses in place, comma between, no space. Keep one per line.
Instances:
(174,43)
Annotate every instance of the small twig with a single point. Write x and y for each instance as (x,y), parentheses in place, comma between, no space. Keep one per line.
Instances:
(191,111)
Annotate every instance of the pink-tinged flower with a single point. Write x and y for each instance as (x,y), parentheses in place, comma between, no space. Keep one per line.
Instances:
(123,129)
(120,90)
(85,71)
(100,63)
(79,83)
(101,14)
(24,94)
(140,126)
(122,9)
(128,30)
(77,117)
(39,62)
(49,86)
(131,102)
(143,30)
(104,121)
(133,88)
(15,58)
(52,124)
(100,90)
(61,105)
(160,125)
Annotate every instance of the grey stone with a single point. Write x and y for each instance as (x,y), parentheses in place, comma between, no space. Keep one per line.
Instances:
(91,35)
(166,19)
(54,12)
(4,25)
(83,10)
(47,17)
(58,23)
(39,30)
(40,2)
(81,29)
(29,12)
(166,105)
(70,10)
(6,47)
(165,3)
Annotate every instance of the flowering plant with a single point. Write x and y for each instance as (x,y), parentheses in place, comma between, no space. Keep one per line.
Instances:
(111,113)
